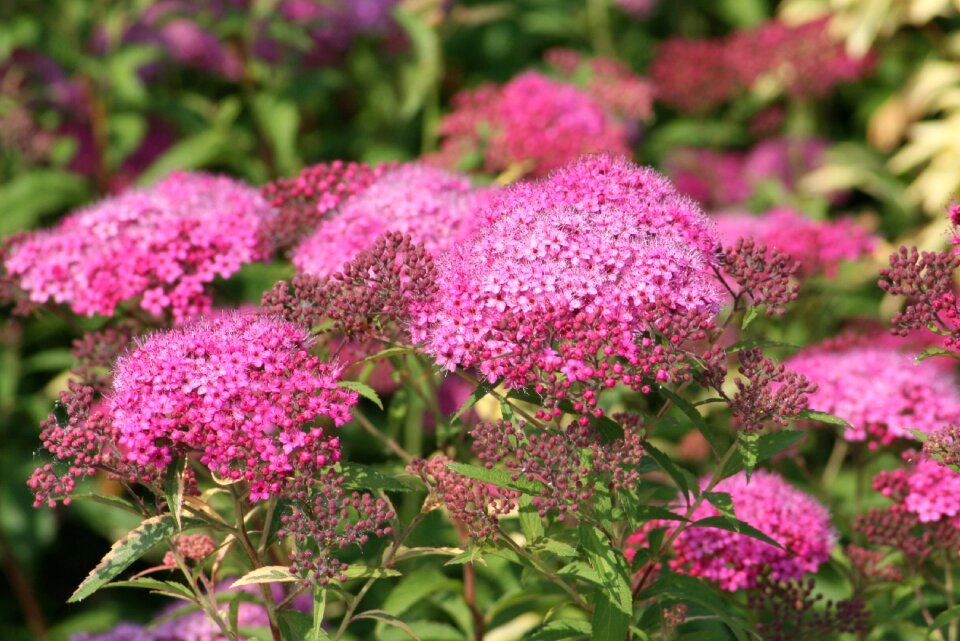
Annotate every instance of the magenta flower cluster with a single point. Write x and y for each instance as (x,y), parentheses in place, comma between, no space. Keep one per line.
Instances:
(879,389)
(571,270)
(819,246)
(926,488)
(434,207)
(159,246)
(533,124)
(734,561)
(241,390)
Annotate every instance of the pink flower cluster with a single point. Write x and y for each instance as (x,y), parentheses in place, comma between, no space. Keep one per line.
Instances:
(734,561)
(927,489)
(879,389)
(162,246)
(721,179)
(434,207)
(803,60)
(818,246)
(239,389)
(574,280)
(609,81)
(533,122)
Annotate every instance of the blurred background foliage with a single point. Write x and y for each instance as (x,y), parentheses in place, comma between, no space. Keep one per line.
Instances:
(97,95)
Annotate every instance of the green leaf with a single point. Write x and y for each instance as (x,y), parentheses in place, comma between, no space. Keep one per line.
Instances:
(695,417)
(557,548)
(356,571)
(194,152)
(722,501)
(497,477)
(482,390)
(822,417)
(668,466)
(561,630)
(693,590)
(279,119)
(750,316)
(748,446)
(266,574)
(750,343)
(295,626)
(363,477)
(124,552)
(422,78)
(166,588)
(110,501)
(173,486)
(936,351)
(32,195)
(317,633)
(581,570)
(643,513)
(742,13)
(416,587)
(387,353)
(530,523)
(947,616)
(363,390)
(734,525)
(389,619)
(614,600)
(767,445)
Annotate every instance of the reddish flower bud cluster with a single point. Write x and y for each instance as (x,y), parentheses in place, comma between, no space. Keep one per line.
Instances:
(303,201)
(943,446)
(324,518)
(925,279)
(871,566)
(190,547)
(801,60)
(81,439)
(532,123)
(475,504)
(376,292)
(569,463)
(768,392)
(762,274)
(95,352)
(789,611)
(897,528)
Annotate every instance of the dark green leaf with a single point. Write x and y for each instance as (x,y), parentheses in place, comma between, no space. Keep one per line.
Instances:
(614,600)
(363,390)
(822,417)
(497,477)
(695,417)
(561,630)
(735,525)
(668,466)
(363,477)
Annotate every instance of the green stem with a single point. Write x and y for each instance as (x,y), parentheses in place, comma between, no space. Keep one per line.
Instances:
(598,17)
(391,443)
(256,562)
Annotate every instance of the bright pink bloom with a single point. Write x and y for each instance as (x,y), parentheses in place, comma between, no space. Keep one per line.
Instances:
(926,488)
(880,390)
(532,122)
(581,261)
(240,389)
(819,246)
(434,207)
(161,246)
(790,517)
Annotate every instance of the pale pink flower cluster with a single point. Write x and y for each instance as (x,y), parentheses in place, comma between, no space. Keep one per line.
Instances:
(819,246)
(532,122)
(241,390)
(434,207)
(161,246)
(880,390)
(926,488)
(767,502)
(590,255)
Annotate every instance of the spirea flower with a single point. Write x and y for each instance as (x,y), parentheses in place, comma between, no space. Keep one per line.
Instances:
(532,123)
(575,280)
(241,390)
(432,206)
(159,246)
(925,488)
(818,246)
(734,561)
(881,391)
(925,279)
(313,194)
(609,81)
(790,611)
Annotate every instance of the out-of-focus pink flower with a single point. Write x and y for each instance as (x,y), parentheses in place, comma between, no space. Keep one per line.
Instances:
(160,246)
(925,488)
(532,122)
(819,246)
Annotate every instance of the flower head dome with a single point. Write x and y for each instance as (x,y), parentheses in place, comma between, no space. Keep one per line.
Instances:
(161,246)
(569,273)
(434,207)
(790,517)
(242,390)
